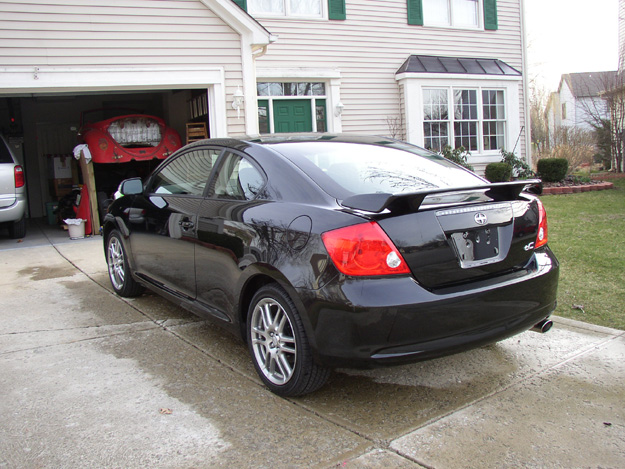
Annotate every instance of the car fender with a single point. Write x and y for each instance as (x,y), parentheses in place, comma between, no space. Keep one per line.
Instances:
(111,223)
(259,274)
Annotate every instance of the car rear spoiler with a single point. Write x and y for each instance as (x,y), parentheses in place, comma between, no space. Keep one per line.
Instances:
(411,201)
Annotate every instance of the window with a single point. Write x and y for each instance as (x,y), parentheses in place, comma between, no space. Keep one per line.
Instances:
(465,119)
(435,119)
(238,179)
(5,156)
(494,119)
(187,174)
(290,8)
(564,111)
(135,131)
(472,111)
(345,169)
(291,107)
(458,13)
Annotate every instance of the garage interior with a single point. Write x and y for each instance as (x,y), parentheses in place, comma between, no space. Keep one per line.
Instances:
(44,128)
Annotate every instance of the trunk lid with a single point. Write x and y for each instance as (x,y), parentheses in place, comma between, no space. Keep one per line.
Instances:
(446,244)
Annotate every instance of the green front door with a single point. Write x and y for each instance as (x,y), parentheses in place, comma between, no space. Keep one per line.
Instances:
(292,115)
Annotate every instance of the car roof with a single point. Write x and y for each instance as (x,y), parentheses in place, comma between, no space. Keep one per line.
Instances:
(299,137)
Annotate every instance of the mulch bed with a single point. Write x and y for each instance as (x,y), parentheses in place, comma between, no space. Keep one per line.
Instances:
(572,187)
(598,182)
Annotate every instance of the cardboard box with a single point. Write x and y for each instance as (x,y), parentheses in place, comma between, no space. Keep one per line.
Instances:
(60,166)
(61,187)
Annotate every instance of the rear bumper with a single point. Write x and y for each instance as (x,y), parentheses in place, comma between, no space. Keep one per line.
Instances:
(13,212)
(386,321)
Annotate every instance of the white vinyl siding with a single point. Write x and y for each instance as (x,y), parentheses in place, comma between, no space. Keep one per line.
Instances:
(370,46)
(124,33)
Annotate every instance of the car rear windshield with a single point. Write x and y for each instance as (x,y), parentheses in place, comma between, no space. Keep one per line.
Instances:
(344,169)
(135,132)
(5,156)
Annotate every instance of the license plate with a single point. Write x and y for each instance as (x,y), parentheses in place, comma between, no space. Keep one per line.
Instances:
(476,247)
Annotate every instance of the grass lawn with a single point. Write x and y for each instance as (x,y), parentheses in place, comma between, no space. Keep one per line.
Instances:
(586,233)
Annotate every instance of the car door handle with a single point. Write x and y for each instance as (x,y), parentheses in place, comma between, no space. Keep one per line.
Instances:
(186,224)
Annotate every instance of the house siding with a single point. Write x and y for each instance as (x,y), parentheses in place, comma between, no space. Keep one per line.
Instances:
(122,33)
(373,42)
(568,100)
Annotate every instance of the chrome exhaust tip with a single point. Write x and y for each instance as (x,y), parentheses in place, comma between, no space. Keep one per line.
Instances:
(543,326)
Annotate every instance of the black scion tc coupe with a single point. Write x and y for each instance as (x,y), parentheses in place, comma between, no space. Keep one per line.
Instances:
(323,251)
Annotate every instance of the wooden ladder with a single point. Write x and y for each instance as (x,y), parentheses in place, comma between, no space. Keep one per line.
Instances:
(196,131)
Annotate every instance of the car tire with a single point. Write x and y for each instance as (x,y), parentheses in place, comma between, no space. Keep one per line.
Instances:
(17,229)
(118,268)
(278,345)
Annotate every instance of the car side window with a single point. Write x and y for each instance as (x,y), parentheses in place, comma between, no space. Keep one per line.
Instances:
(238,179)
(5,156)
(187,174)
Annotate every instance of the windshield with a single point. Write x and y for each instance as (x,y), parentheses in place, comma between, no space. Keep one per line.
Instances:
(344,169)
(135,132)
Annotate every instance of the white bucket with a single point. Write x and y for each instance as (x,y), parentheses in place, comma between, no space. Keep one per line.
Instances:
(76,231)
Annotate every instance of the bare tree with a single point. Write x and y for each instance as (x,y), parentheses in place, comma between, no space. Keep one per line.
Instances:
(395,127)
(600,99)
(576,145)
(538,124)
(615,99)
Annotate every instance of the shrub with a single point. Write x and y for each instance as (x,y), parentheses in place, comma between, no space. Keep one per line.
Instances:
(457,155)
(552,169)
(520,169)
(498,172)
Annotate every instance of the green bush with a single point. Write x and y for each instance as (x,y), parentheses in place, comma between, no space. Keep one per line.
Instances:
(520,169)
(457,155)
(552,169)
(498,172)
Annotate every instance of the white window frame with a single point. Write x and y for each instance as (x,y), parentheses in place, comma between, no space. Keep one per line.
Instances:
(312,98)
(414,83)
(331,79)
(480,120)
(287,12)
(452,23)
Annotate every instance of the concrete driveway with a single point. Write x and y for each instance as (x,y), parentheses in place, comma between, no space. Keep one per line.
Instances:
(88,379)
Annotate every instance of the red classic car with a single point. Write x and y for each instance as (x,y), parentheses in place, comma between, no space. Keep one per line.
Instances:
(131,137)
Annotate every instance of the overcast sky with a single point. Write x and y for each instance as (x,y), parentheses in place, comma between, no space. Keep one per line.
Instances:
(568,36)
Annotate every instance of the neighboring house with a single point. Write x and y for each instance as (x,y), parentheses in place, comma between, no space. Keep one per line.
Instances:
(578,102)
(432,72)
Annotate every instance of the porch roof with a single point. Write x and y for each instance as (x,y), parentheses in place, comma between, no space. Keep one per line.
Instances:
(456,65)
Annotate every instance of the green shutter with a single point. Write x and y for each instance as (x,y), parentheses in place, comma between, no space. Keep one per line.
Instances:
(490,14)
(415,12)
(336,9)
(241,3)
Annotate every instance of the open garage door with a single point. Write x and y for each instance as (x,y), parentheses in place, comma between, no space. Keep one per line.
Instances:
(47,128)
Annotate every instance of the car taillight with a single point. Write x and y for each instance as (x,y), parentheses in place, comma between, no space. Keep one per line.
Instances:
(364,249)
(19,176)
(541,237)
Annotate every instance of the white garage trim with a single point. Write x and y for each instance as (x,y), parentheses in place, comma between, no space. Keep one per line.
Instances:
(37,80)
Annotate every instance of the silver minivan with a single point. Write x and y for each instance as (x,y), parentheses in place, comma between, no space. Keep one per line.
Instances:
(12,192)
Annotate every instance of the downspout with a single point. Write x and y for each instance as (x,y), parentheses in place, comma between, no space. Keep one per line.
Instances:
(526,99)
(251,111)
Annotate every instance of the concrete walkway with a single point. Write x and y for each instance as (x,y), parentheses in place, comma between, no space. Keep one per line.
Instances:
(88,379)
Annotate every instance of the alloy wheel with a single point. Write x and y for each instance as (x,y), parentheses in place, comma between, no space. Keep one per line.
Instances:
(115,260)
(273,341)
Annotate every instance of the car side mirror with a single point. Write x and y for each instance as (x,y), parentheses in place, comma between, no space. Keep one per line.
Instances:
(131,186)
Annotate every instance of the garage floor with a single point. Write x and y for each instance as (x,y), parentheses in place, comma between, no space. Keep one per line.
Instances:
(38,233)
(88,379)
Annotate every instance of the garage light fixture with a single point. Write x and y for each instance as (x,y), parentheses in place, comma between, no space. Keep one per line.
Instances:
(338,110)
(237,100)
